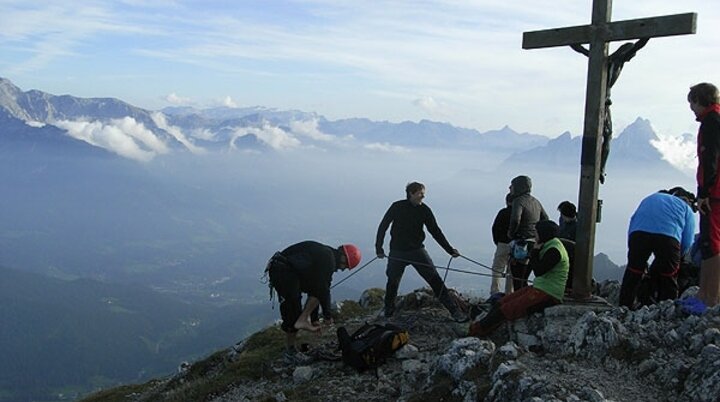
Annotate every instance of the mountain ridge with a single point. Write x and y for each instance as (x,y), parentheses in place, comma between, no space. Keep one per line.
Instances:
(145,134)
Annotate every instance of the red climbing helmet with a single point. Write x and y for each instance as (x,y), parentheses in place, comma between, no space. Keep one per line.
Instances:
(353,255)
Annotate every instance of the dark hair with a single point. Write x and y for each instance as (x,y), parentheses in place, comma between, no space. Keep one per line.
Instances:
(704,94)
(547,230)
(683,194)
(508,199)
(568,209)
(413,188)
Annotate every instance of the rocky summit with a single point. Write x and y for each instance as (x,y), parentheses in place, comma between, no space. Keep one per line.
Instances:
(593,351)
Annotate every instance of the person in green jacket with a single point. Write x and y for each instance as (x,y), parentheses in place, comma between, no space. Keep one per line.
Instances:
(550,264)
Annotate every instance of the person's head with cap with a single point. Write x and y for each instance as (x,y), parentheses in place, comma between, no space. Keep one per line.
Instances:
(546,230)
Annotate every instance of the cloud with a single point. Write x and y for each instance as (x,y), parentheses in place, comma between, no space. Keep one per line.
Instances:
(385,147)
(132,128)
(162,123)
(678,151)
(431,106)
(275,137)
(309,128)
(36,124)
(175,99)
(229,102)
(107,137)
(121,137)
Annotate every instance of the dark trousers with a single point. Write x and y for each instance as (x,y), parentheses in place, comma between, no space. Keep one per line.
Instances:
(287,285)
(423,264)
(662,272)
(520,269)
(520,273)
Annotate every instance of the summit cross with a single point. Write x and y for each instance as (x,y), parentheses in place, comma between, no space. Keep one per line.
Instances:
(598,34)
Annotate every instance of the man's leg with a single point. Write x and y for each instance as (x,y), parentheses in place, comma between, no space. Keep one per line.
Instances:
(287,288)
(500,260)
(664,269)
(426,268)
(394,271)
(709,292)
(486,325)
(710,281)
(639,250)
(519,271)
(303,321)
(526,301)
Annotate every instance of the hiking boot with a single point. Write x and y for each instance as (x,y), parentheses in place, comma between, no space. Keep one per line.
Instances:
(296,358)
(460,316)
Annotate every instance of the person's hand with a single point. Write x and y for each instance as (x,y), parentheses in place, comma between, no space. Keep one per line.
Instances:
(703,205)
(381,255)
(455,253)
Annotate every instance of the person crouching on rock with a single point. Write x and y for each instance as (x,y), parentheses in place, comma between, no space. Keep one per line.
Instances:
(306,267)
(550,264)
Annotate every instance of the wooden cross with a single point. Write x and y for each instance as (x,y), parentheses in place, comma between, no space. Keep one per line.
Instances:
(598,34)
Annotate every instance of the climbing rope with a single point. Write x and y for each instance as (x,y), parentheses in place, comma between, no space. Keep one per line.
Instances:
(355,271)
(455,269)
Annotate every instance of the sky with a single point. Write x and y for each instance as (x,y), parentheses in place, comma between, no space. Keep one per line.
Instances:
(459,62)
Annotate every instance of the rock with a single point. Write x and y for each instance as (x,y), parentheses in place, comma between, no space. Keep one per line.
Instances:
(465,355)
(408,351)
(412,366)
(703,380)
(302,374)
(372,298)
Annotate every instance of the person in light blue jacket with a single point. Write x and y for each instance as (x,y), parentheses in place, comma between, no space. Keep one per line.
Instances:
(663,225)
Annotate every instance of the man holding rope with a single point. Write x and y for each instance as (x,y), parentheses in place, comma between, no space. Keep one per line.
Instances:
(409,217)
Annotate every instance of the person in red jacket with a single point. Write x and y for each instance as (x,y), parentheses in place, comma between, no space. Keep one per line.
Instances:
(705,103)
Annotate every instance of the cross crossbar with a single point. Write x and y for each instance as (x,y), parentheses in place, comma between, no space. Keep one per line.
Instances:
(669,25)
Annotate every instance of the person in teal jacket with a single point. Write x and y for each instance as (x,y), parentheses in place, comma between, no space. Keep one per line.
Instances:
(663,225)
(550,263)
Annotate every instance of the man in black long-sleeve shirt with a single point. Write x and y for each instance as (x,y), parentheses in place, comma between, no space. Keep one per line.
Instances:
(306,267)
(408,218)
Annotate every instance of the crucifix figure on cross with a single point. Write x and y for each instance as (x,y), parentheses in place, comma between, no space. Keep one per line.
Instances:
(603,71)
(615,63)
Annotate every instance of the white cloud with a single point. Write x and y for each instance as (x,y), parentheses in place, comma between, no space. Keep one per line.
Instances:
(679,152)
(162,123)
(175,99)
(309,128)
(229,102)
(108,136)
(385,147)
(131,127)
(36,124)
(275,137)
(203,134)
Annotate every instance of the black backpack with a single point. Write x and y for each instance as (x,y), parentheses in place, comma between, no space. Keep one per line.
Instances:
(371,344)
